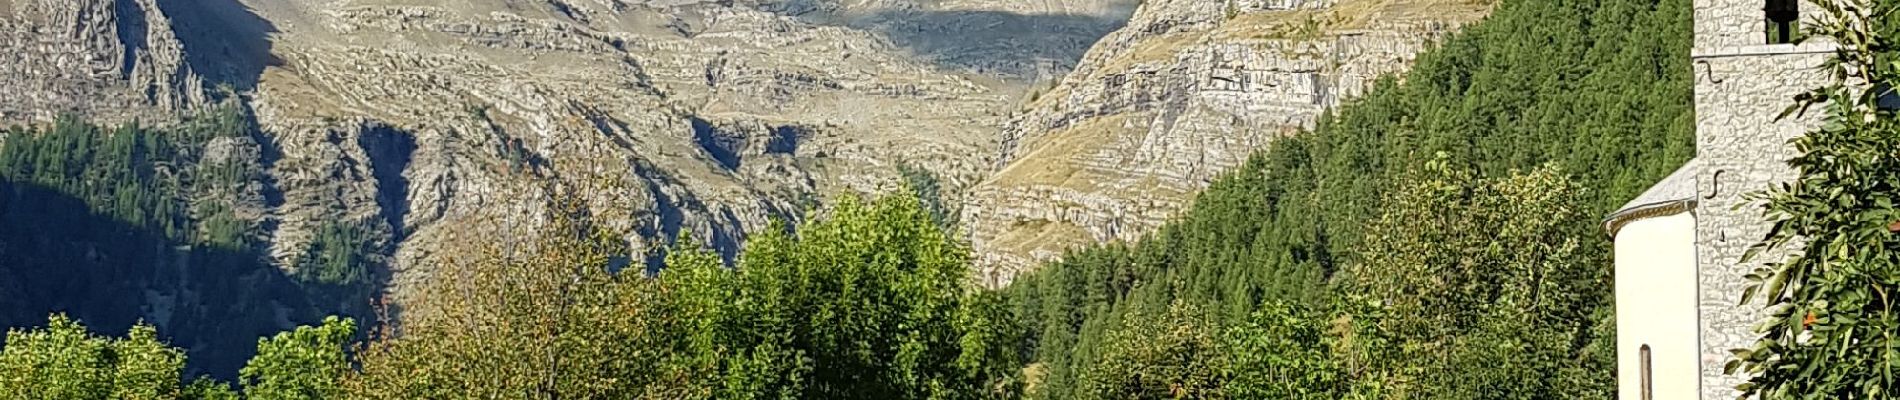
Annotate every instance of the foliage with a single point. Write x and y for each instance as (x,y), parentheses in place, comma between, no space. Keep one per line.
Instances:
(208,389)
(928,189)
(1469,288)
(1424,242)
(108,169)
(337,256)
(871,303)
(1830,320)
(64,361)
(1480,293)
(96,213)
(1283,352)
(1452,252)
(303,364)
(1599,90)
(1173,355)
(542,318)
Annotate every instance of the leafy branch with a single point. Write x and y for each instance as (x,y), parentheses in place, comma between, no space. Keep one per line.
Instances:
(1829,323)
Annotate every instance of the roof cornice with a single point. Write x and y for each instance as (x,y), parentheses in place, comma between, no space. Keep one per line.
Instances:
(1615,222)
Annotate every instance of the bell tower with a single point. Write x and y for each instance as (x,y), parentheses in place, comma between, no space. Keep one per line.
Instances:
(1747,70)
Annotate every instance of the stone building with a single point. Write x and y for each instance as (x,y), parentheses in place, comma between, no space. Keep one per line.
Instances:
(1678,245)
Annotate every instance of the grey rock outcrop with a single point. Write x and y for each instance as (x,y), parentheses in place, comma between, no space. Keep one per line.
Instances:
(117,60)
(1184,92)
(441,125)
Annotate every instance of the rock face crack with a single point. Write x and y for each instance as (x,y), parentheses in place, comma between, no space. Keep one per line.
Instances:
(722,146)
(132,34)
(389,151)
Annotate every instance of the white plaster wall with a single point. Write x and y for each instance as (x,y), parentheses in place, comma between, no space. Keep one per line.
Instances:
(1656,305)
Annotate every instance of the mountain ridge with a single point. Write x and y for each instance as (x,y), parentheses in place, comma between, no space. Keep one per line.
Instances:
(430,122)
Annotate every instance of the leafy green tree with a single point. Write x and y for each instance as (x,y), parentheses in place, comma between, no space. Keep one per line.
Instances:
(1487,296)
(991,346)
(1464,287)
(545,317)
(64,361)
(1174,355)
(147,369)
(208,389)
(97,212)
(928,189)
(1283,352)
(1830,316)
(1449,248)
(304,364)
(1366,349)
(873,302)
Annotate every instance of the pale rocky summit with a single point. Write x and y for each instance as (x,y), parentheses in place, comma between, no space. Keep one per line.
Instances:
(442,123)
(1185,91)
(67,56)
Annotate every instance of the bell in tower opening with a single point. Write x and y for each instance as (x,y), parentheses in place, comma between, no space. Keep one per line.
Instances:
(1782,17)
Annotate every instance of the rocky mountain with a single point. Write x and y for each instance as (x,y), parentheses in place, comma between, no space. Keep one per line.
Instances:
(1186,90)
(441,123)
(116,59)
(445,124)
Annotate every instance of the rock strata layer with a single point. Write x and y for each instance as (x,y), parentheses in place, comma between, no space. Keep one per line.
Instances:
(443,125)
(1185,91)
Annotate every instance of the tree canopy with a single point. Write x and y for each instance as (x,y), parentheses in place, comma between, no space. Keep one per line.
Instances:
(1429,240)
(870,302)
(1595,94)
(1830,263)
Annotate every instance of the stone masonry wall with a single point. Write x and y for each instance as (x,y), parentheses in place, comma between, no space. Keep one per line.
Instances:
(1739,92)
(1729,23)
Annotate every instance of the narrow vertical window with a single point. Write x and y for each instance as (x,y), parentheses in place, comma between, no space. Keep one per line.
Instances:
(1648,385)
(1783,17)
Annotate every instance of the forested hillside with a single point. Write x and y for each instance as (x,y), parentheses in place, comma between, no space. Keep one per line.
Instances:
(128,224)
(1588,99)
(870,303)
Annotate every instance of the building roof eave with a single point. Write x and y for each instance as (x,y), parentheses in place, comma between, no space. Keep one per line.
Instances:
(1616,221)
(1673,194)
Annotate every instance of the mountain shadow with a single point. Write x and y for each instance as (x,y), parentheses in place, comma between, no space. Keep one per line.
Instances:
(1007,44)
(114,227)
(225,41)
(722,233)
(59,256)
(390,150)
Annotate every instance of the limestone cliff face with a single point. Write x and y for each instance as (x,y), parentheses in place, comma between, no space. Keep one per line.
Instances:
(1183,92)
(701,117)
(118,58)
(442,124)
